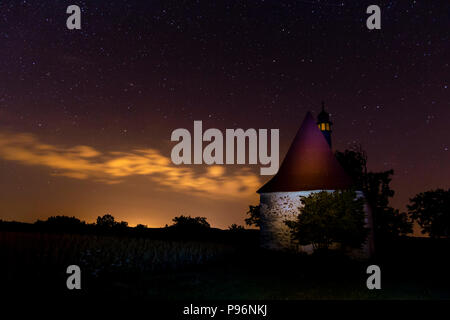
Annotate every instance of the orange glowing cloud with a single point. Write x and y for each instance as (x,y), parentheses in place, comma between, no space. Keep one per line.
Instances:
(85,162)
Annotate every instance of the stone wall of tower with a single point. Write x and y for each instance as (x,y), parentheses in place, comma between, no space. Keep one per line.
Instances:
(277,207)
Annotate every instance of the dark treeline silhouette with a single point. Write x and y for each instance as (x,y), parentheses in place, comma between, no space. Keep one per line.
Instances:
(183,228)
(429,209)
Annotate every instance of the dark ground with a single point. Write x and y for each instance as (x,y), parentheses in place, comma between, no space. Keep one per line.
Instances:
(33,265)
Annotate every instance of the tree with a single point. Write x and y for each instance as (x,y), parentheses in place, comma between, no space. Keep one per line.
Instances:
(235,227)
(388,222)
(122,225)
(187,222)
(62,223)
(326,218)
(255,216)
(354,162)
(107,221)
(431,210)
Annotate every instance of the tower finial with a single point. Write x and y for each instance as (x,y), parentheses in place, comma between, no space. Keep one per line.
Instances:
(323,106)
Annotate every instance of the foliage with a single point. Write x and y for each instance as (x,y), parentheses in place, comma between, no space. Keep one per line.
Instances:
(235,227)
(431,210)
(122,224)
(106,221)
(255,216)
(61,223)
(188,222)
(327,218)
(354,162)
(63,220)
(388,222)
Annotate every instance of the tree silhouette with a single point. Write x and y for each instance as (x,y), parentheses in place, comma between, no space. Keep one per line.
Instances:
(388,222)
(106,221)
(61,223)
(354,162)
(122,225)
(187,222)
(235,227)
(255,216)
(431,210)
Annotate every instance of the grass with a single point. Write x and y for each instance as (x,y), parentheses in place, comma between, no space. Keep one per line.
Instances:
(130,267)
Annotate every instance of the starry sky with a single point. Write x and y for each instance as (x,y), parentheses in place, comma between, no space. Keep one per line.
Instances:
(86,115)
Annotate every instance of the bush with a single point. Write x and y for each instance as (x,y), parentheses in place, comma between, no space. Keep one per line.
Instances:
(328,218)
(431,210)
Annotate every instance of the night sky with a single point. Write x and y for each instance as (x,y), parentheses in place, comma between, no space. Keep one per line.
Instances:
(86,115)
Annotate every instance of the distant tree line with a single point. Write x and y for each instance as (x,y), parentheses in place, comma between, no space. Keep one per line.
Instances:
(183,227)
(103,224)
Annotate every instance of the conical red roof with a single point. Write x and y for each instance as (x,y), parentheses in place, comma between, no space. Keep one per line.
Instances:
(309,164)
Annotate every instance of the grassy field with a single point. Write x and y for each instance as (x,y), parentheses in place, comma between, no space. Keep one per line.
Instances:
(129,267)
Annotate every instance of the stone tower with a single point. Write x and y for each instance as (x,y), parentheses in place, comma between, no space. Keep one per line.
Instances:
(309,166)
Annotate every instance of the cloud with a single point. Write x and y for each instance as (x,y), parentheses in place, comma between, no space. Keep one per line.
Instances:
(113,167)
